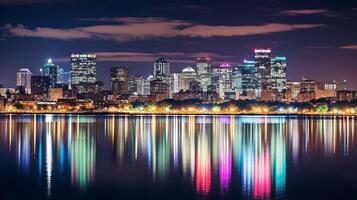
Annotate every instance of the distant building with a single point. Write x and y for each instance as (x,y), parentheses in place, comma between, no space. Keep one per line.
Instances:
(161,68)
(237,79)
(262,70)
(87,90)
(341,85)
(83,69)
(294,89)
(188,75)
(224,82)
(52,71)
(159,89)
(247,70)
(6,92)
(23,80)
(135,85)
(55,93)
(204,71)
(269,95)
(176,79)
(308,90)
(119,77)
(278,73)
(346,95)
(40,85)
(145,86)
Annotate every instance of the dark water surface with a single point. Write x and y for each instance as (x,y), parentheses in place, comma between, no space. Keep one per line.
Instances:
(177,157)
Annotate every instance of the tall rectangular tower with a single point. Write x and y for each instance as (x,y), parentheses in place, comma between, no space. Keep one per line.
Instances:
(83,69)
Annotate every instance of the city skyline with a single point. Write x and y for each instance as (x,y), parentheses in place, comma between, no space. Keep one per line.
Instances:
(318,37)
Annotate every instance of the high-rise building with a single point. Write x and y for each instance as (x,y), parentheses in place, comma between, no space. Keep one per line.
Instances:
(159,89)
(237,79)
(262,70)
(83,69)
(188,75)
(40,85)
(134,85)
(62,76)
(294,88)
(119,77)
(146,85)
(308,89)
(176,79)
(247,70)
(161,68)
(52,71)
(204,71)
(23,79)
(224,84)
(278,73)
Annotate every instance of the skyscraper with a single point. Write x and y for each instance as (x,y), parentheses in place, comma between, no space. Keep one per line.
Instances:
(278,73)
(23,79)
(83,69)
(161,68)
(176,80)
(262,70)
(247,70)
(204,71)
(237,78)
(119,77)
(40,85)
(52,71)
(224,84)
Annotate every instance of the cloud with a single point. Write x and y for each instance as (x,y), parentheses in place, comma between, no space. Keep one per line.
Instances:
(175,57)
(41,32)
(212,31)
(319,47)
(133,28)
(351,47)
(307,12)
(19,2)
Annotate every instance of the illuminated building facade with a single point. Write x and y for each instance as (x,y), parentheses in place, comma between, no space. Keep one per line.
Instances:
(204,71)
(161,68)
(278,73)
(294,88)
(119,78)
(83,69)
(176,79)
(247,71)
(160,89)
(237,79)
(54,72)
(23,79)
(187,76)
(224,79)
(55,93)
(308,90)
(262,70)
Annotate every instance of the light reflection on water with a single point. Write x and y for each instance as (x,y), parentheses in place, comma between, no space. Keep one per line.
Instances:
(244,156)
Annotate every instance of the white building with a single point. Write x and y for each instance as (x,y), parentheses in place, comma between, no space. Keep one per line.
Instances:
(23,79)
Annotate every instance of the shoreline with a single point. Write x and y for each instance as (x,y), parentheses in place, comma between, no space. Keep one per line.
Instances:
(179,114)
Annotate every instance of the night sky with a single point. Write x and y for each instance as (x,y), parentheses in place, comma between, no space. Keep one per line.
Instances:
(319,37)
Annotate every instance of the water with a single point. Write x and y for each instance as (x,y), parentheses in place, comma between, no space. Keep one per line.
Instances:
(177,157)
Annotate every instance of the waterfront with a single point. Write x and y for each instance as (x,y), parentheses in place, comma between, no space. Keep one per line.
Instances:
(177,157)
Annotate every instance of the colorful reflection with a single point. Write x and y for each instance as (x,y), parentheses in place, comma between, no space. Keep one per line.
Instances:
(209,153)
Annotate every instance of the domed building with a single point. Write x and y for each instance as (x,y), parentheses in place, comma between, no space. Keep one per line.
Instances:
(188,74)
